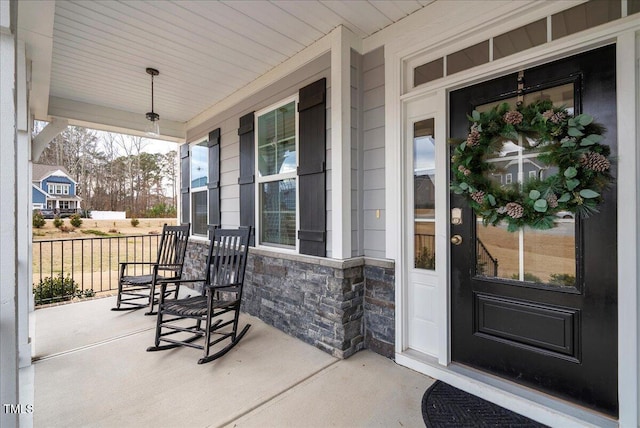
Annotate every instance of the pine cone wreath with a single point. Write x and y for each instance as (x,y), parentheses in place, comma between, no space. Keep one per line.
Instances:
(514,210)
(595,162)
(478,196)
(558,117)
(552,200)
(513,117)
(465,171)
(548,114)
(473,138)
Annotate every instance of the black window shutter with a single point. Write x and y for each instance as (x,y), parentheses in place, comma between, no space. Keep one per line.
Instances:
(247,173)
(312,151)
(214,177)
(184,183)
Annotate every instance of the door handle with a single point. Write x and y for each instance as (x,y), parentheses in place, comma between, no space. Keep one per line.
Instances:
(456,239)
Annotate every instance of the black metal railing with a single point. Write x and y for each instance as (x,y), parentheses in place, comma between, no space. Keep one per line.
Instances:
(486,264)
(64,269)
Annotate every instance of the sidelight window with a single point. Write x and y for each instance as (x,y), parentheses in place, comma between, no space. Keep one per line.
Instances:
(424,201)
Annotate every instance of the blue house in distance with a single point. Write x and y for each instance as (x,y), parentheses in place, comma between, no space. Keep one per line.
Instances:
(54,191)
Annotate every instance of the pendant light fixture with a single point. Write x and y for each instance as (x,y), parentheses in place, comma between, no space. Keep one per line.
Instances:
(153,127)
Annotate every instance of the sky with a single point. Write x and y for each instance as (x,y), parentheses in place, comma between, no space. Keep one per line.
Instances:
(160,146)
(151,146)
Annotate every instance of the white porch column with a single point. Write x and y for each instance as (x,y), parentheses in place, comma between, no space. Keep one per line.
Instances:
(24,209)
(9,384)
(342,41)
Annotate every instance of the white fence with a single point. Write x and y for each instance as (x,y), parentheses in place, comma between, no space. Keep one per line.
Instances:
(108,215)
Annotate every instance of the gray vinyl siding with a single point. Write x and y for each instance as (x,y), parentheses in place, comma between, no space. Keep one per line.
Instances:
(229,173)
(373,154)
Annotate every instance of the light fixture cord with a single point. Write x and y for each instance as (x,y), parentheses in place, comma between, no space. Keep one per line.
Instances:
(152,110)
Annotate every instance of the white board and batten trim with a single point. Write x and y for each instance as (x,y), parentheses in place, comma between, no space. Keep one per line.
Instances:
(421,46)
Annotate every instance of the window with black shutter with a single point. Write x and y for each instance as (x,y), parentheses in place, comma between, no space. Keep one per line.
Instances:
(200,184)
(288,141)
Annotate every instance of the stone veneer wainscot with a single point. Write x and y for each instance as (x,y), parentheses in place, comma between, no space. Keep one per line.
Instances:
(339,306)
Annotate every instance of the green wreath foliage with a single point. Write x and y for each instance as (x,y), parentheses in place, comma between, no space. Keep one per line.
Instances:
(573,144)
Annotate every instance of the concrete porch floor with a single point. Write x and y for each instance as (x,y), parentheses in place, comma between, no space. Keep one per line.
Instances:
(92,369)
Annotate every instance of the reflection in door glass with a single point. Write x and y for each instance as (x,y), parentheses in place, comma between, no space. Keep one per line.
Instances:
(541,256)
(424,169)
(529,255)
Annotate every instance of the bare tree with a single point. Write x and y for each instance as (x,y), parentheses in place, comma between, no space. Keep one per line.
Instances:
(76,150)
(114,171)
(170,168)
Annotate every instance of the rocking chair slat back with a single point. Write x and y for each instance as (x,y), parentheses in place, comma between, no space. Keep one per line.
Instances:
(171,252)
(227,258)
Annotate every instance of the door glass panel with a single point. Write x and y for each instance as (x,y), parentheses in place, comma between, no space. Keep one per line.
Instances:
(424,170)
(549,255)
(529,255)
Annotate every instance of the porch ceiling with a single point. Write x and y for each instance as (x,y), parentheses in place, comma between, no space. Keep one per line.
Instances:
(89,58)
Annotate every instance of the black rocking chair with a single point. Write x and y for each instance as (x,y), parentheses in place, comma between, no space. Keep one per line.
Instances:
(218,307)
(139,291)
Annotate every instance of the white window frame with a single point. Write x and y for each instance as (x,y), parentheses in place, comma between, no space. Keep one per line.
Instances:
(276,177)
(508,178)
(58,189)
(193,190)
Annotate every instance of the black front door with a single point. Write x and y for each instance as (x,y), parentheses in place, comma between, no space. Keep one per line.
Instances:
(540,307)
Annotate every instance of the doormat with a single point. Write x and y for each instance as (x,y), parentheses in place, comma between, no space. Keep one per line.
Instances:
(444,406)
